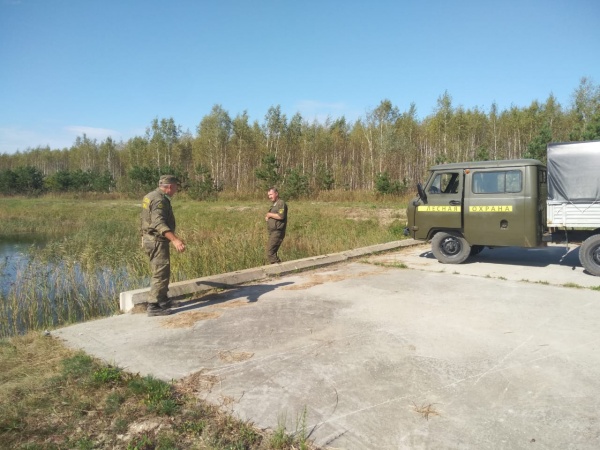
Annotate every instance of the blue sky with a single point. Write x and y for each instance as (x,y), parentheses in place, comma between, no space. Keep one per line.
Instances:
(108,67)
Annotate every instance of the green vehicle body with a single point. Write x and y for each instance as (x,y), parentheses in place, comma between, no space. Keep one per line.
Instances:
(490,203)
(465,207)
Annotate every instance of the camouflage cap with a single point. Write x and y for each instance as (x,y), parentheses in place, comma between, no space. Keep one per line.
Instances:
(168,179)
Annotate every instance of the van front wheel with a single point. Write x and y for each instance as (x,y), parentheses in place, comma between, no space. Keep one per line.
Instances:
(450,248)
(589,254)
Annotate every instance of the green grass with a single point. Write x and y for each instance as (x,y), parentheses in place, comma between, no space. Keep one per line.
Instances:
(572,285)
(55,398)
(394,265)
(91,248)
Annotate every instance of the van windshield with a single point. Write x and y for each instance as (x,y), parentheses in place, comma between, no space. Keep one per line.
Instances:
(444,183)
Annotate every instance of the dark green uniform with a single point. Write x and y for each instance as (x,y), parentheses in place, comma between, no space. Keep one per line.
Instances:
(276,230)
(157,218)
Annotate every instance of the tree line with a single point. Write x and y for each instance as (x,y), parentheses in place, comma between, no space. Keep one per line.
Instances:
(386,150)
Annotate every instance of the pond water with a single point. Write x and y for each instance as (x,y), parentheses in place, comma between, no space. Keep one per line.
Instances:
(12,256)
(37,294)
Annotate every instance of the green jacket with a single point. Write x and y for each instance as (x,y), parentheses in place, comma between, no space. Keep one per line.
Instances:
(157,215)
(279,207)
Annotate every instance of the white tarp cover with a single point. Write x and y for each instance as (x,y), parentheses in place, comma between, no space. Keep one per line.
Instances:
(574,172)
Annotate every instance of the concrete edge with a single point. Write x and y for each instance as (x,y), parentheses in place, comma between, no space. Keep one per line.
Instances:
(128,299)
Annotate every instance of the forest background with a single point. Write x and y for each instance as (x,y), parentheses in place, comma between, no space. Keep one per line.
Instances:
(386,150)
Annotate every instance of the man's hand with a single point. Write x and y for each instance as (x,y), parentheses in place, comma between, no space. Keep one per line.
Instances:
(179,245)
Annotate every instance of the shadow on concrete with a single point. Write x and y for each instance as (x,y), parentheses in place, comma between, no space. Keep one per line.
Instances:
(231,292)
(520,256)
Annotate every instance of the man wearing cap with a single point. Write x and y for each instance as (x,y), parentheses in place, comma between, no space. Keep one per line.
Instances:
(158,229)
(276,220)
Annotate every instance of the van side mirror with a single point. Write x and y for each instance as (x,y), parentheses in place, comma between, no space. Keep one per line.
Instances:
(422,194)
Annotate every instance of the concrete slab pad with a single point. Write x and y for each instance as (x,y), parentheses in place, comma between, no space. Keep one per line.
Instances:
(365,356)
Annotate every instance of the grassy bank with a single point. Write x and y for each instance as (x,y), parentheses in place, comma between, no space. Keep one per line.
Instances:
(55,398)
(92,247)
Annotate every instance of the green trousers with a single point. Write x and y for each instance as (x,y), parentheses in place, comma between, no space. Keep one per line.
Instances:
(160,265)
(273,244)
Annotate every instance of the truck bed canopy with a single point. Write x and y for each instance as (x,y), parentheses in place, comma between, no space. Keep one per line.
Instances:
(574,172)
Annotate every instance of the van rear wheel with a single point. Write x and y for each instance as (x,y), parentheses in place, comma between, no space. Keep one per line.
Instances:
(589,254)
(450,247)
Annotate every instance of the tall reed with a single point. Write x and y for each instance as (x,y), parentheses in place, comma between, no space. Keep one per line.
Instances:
(47,295)
(92,251)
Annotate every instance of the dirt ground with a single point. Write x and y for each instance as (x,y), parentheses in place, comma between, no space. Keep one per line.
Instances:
(385,216)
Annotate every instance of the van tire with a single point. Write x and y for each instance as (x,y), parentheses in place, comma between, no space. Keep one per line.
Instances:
(450,247)
(589,254)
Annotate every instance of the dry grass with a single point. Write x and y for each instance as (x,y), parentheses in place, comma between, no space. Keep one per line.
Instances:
(426,410)
(230,356)
(317,279)
(187,319)
(197,382)
(55,398)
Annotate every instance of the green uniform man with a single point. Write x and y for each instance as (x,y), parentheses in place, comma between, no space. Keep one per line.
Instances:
(158,230)
(276,220)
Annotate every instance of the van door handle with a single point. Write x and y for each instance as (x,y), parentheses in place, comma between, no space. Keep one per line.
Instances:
(455,202)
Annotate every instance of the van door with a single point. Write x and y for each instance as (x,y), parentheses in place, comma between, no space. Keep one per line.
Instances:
(494,207)
(442,210)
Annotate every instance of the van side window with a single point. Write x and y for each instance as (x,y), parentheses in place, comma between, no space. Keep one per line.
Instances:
(542,176)
(444,183)
(499,182)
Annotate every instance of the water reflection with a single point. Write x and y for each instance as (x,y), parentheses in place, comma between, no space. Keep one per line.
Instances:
(36,293)
(12,256)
